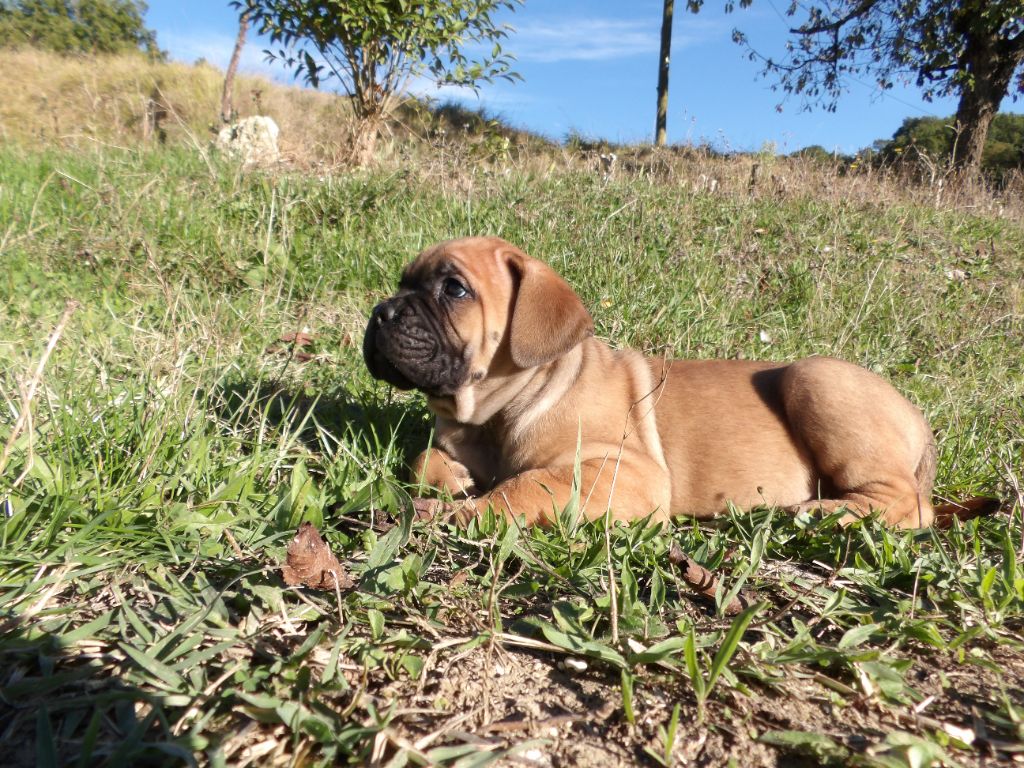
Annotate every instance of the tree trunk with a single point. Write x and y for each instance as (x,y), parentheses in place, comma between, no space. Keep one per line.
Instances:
(660,132)
(364,141)
(991,64)
(227,109)
(973,118)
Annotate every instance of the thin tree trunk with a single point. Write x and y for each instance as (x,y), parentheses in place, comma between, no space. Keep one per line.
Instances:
(660,126)
(973,117)
(364,141)
(227,108)
(991,64)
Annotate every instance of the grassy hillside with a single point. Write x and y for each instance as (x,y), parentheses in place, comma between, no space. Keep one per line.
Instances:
(79,101)
(176,438)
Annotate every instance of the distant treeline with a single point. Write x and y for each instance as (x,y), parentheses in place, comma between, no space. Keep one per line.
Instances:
(77,26)
(930,141)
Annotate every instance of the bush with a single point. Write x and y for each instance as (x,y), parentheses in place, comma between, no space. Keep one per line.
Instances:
(934,136)
(77,26)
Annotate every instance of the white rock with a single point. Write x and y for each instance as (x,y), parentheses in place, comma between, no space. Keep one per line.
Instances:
(253,140)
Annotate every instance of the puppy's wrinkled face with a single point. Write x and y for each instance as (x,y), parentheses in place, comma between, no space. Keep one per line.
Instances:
(423,336)
(468,315)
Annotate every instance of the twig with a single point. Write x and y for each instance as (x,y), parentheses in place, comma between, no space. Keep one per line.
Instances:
(612,591)
(704,582)
(29,393)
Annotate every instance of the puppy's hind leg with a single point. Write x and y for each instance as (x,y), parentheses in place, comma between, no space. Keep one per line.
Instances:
(904,511)
(873,445)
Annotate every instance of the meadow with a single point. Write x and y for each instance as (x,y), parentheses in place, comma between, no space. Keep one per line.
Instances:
(158,460)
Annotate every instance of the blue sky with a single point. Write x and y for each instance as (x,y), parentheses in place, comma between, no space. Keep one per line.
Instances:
(590,66)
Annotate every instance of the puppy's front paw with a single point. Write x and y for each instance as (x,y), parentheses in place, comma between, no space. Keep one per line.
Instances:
(428,509)
(459,512)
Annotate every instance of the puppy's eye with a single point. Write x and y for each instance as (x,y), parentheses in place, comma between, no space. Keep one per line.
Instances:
(454,288)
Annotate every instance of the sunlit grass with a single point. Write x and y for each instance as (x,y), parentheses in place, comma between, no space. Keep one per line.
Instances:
(176,442)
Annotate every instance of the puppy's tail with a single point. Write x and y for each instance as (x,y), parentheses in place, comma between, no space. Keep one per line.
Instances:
(968,509)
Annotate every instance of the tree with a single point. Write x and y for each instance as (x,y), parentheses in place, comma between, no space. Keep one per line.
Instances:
(374,48)
(934,137)
(660,123)
(227,107)
(972,49)
(77,26)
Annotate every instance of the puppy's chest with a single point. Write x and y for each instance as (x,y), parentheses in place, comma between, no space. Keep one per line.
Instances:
(492,453)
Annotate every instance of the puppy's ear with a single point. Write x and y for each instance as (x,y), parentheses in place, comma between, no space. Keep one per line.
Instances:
(548,318)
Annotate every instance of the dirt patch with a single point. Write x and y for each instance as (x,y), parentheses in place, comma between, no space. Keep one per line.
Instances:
(506,697)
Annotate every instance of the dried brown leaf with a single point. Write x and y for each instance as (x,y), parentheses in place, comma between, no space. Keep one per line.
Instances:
(311,563)
(702,581)
(298,356)
(299,339)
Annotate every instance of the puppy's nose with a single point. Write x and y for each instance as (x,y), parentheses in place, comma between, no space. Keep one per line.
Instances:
(385,313)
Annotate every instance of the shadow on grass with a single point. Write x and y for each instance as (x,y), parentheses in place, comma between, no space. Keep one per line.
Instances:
(72,704)
(379,421)
(153,666)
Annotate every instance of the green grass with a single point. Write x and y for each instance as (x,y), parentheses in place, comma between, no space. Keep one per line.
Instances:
(176,443)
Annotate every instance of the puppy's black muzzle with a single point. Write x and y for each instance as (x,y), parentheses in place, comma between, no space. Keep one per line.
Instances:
(379,365)
(406,345)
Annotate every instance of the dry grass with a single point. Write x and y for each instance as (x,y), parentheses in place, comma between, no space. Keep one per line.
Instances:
(76,101)
(72,101)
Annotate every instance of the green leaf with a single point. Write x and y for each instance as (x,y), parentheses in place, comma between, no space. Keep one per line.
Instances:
(87,630)
(857,635)
(627,696)
(581,646)
(692,667)
(659,651)
(376,621)
(46,747)
(168,676)
(731,642)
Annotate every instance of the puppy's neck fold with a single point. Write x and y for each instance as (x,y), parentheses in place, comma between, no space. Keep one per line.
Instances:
(520,397)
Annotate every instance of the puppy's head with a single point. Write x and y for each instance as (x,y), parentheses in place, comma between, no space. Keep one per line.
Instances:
(471,311)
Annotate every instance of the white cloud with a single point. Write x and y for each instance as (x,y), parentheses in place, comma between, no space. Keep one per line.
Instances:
(582,40)
(597,39)
(494,95)
(216,49)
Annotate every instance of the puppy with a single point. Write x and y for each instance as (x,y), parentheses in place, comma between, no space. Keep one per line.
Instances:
(521,390)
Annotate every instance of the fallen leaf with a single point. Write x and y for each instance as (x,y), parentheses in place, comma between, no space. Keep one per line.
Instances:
(299,339)
(704,582)
(311,563)
(298,355)
(294,341)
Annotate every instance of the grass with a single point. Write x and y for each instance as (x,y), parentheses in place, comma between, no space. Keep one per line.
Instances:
(129,101)
(176,442)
